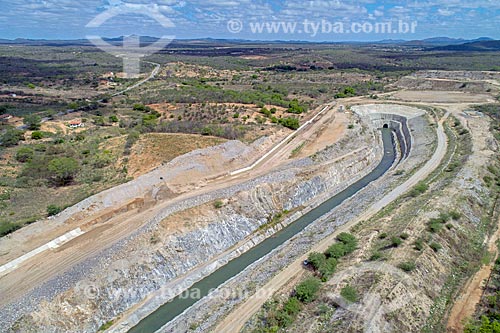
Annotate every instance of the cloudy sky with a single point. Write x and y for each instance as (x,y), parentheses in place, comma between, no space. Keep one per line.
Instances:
(67,19)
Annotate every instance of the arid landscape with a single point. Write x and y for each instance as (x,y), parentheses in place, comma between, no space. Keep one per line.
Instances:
(249,187)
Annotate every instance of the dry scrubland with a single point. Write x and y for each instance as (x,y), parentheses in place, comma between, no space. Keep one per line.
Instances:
(159,157)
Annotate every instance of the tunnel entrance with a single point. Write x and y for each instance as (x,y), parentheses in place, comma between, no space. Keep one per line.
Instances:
(386,125)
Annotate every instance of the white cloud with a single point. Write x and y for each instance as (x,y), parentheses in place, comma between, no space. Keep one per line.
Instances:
(445,12)
(208,17)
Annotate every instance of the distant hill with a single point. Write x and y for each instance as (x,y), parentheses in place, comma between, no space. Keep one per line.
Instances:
(479,46)
(436,43)
(444,41)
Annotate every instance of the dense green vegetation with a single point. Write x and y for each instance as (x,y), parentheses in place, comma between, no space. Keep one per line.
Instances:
(325,264)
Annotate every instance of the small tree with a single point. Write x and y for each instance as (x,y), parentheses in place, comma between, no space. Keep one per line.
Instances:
(37,135)
(292,306)
(307,290)
(349,294)
(290,122)
(407,266)
(33,122)
(24,154)
(328,269)
(11,137)
(53,210)
(337,251)
(316,259)
(396,241)
(140,107)
(63,169)
(350,242)
(295,107)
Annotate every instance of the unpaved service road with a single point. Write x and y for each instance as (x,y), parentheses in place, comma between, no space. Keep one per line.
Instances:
(235,321)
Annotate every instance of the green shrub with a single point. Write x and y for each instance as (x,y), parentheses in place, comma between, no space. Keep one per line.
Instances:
(306,291)
(396,241)
(337,251)
(383,235)
(376,256)
(327,269)
(350,242)
(436,224)
(435,246)
(295,107)
(292,306)
(25,154)
(40,147)
(7,228)
(289,122)
(53,210)
(418,245)
(105,326)
(11,137)
(434,227)
(149,120)
(346,92)
(63,169)
(482,326)
(5,195)
(33,122)
(349,294)
(407,266)
(139,107)
(37,135)
(455,215)
(316,260)
(444,217)
(218,204)
(419,189)
(404,236)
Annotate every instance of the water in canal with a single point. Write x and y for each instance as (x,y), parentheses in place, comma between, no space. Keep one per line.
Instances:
(178,305)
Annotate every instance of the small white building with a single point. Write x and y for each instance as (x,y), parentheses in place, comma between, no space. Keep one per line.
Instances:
(76,124)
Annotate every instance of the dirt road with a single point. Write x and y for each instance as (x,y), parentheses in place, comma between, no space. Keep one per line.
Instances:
(237,318)
(151,76)
(465,306)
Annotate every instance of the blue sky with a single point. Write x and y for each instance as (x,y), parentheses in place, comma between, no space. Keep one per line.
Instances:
(66,19)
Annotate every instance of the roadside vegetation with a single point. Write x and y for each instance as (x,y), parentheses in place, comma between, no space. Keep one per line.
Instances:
(279,314)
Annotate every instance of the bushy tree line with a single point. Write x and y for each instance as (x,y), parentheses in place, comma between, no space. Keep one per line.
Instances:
(281,315)
(325,263)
